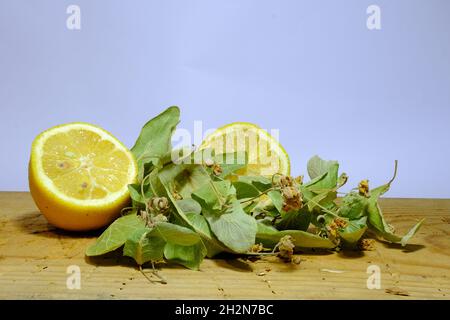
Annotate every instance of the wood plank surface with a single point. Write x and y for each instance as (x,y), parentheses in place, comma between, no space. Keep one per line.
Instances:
(34,258)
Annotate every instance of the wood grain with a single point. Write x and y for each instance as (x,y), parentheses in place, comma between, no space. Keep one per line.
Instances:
(34,258)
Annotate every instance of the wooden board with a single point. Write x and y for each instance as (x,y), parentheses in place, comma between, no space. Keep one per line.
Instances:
(34,258)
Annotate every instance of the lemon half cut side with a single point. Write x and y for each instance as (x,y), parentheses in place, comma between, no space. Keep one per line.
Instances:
(79,176)
(266,156)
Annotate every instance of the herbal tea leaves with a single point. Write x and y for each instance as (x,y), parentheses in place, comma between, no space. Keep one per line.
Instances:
(270,236)
(378,224)
(176,234)
(353,231)
(317,166)
(144,245)
(376,220)
(116,235)
(154,140)
(199,205)
(188,256)
(233,227)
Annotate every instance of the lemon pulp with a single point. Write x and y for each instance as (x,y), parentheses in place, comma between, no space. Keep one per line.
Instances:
(265,154)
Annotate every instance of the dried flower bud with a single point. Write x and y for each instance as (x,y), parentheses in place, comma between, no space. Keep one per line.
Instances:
(342,179)
(286,181)
(159,218)
(144,215)
(209,162)
(363,188)
(163,204)
(334,227)
(332,232)
(217,170)
(366,244)
(290,192)
(292,199)
(159,204)
(256,248)
(299,180)
(286,248)
(340,223)
(177,196)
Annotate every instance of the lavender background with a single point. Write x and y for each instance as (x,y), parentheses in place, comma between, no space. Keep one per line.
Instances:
(310,68)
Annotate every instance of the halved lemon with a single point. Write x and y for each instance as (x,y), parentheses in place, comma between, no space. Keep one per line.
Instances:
(78,176)
(266,156)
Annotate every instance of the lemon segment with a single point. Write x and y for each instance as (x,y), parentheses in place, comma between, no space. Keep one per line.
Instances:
(266,156)
(79,176)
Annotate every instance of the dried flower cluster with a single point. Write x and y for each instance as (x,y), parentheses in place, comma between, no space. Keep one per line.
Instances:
(286,248)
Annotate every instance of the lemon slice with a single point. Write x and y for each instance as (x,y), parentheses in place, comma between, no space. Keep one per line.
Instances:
(266,156)
(78,176)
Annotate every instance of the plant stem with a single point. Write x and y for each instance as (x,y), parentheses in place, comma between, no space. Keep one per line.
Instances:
(323,208)
(218,195)
(262,193)
(395,172)
(154,272)
(142,191)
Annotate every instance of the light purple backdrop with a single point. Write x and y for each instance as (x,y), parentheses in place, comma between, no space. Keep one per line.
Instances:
(310,68)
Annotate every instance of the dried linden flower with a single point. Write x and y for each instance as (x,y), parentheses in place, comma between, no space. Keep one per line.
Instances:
(256,248)
(160,204)
(292,199)
(209,162)
(286,248)
(363,188)
(217,170)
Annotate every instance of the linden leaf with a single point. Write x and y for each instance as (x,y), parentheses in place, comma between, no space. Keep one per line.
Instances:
(115,235)
(144,245)
(270,236)
(154,141)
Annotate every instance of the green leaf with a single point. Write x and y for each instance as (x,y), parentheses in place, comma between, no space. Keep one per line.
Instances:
(277,200)
(188,256)
(135,193)
(259,182)
(354,230)
(199,228)
(353,206)
(378,224)
(184,178)
(321,199)
(199,223)
(404,240)
(317,166)
(143,246)
(263,205)
(136,196)
(376,218)
(324,175)
(115,235)
(295,220)
(213,195)
(176,234)
(154,140)
(189,205)
(270,236)
(234,228)
(245,190)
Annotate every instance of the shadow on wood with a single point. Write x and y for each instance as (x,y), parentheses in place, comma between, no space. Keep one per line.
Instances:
(34,222)
(406,249)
